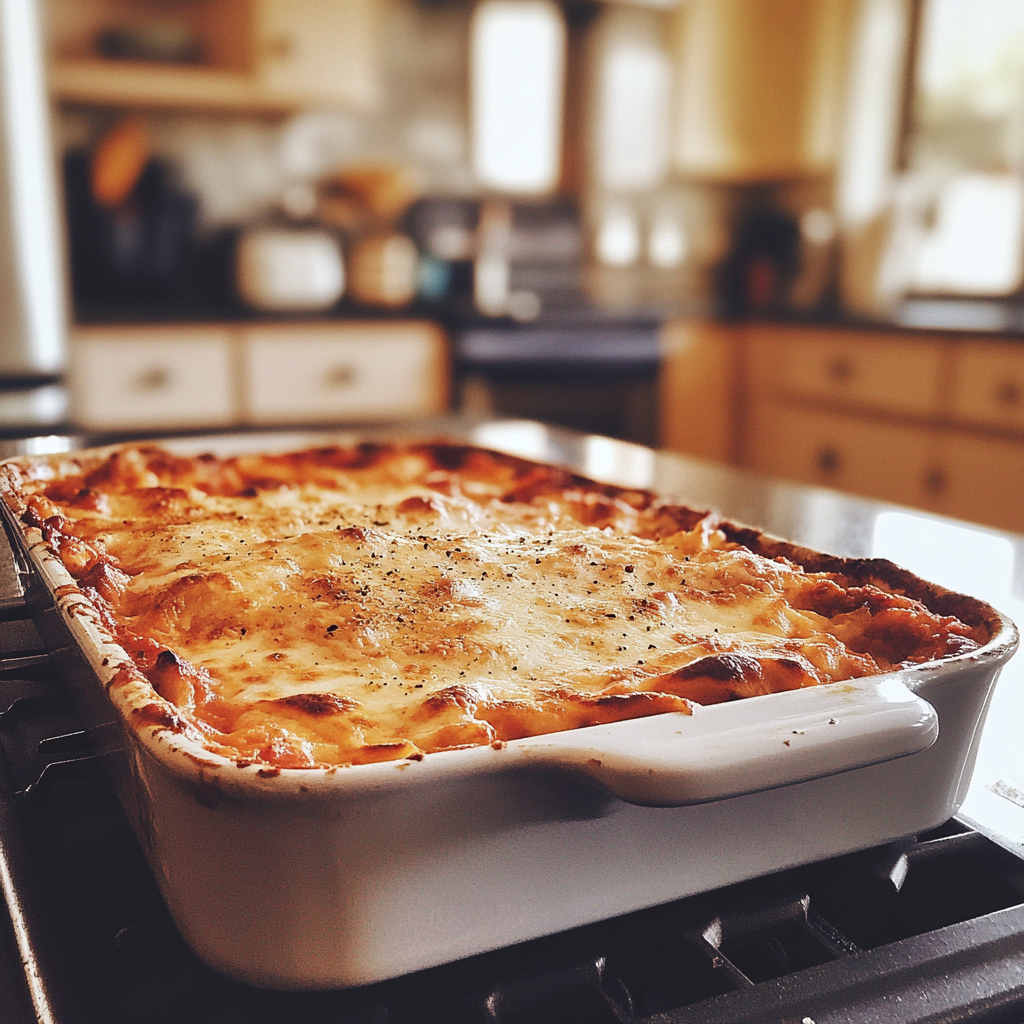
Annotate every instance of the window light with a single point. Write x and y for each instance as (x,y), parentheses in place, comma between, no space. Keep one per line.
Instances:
(517,70)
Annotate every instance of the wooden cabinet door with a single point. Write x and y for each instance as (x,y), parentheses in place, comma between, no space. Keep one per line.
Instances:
(153,378)
(984,480)
(344,373)
(862,369)
(988,384)
(897,463)
(318,50)
(698,389)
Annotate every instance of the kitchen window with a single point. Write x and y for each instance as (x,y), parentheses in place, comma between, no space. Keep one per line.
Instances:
(965,147)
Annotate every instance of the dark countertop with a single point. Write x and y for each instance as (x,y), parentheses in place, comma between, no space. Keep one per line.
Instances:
(956,315)
(940,314)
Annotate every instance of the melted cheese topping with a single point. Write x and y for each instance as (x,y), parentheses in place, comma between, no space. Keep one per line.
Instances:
(340,607)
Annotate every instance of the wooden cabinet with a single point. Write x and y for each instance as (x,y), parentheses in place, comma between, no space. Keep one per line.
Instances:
(760,84)
(152,379)
(317,51)
(989,384)
(935,421)
(344,373)
(254,55)
(894,462)
(984,479)
(300,374)
(699,389)
(853,369)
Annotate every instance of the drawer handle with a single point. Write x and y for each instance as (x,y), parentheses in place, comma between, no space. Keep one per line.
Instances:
(1008,394)
(156,378)
(340,376)
(935,480)
(839,369)
(827,460)
(280,48)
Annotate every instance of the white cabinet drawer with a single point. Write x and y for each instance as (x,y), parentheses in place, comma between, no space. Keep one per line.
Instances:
(896,463)
(852,368)
(989,384)
(344,373)
(151,378)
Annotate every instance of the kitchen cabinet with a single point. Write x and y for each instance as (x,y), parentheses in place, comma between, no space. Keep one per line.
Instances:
(699,389)
(989,389)
(896,462)
(931,420)
(268,56)
(852,369)
(298,374)
(307,374)
(317,51)
(134,84)
(983,479)
(156,378)
(759,87)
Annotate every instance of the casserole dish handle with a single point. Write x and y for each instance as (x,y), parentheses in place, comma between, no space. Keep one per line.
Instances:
(746,746)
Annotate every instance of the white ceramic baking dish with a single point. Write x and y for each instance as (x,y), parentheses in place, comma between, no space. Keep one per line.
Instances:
(321,879)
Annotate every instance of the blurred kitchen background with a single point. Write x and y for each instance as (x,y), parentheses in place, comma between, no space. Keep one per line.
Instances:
(781,234)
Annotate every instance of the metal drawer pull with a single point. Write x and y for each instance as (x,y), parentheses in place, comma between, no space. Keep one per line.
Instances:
(156,378)
(839,370)
(340,376)
(827,460)
(1008,394)
(934,480)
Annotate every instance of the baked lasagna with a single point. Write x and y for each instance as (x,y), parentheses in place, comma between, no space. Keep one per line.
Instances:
(345,605)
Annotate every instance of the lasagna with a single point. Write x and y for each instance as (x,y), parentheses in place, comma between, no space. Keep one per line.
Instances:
(346,605)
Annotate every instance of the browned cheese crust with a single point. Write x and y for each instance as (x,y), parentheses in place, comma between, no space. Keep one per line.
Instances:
(348,605)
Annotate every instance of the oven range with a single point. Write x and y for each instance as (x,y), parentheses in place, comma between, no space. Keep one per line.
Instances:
(930,928)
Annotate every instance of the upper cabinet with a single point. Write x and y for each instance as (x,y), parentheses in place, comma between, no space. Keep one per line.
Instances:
(317,51)
(245,55)
(760,86)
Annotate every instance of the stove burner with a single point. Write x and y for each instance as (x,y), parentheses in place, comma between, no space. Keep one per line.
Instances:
(930,928)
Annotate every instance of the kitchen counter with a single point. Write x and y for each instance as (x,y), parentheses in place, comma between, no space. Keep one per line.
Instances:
(962,315)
